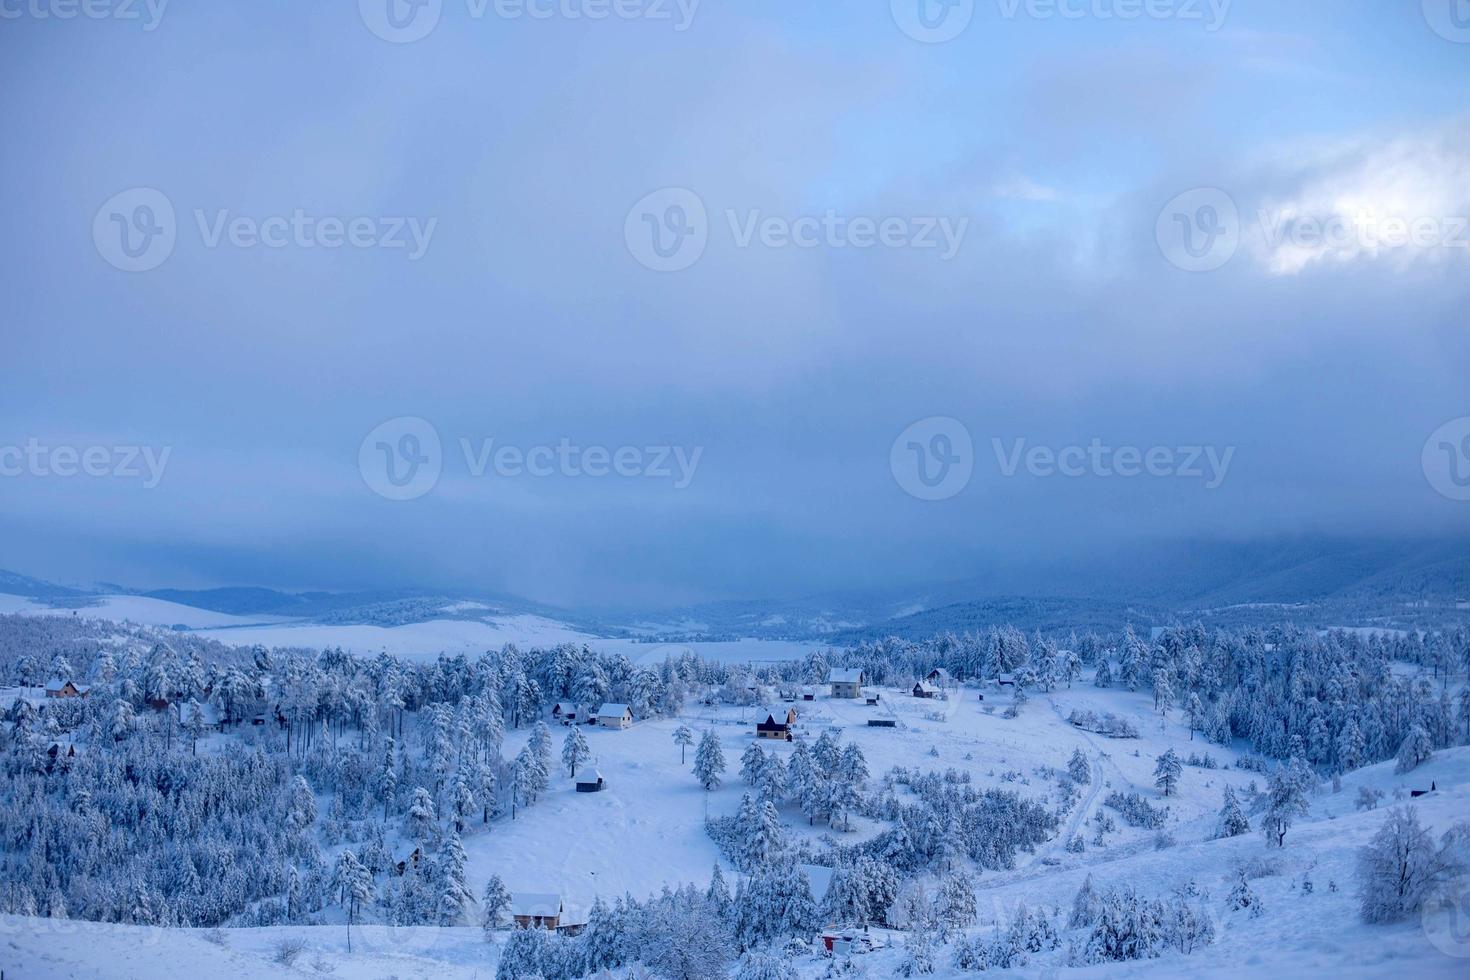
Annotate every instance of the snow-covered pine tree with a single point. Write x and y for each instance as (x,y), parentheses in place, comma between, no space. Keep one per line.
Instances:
(495,901)
(455,896)
(575,751)
(956,907)
(752,761)
(1232,822)
(301,811)
(1416,749)
(1167,771)
(1242,896)
(1285,799)
(1085,906)
(709,761)
(683,737)
(422,818)
(1079,768)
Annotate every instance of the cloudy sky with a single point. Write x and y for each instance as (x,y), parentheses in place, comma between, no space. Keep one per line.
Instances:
(742,285)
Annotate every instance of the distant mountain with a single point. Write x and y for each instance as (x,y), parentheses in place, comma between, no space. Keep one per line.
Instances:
(12,583)
(1310,581)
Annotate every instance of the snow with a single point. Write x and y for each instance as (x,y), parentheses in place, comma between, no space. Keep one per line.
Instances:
(134,609)
(646,830)
(425,640)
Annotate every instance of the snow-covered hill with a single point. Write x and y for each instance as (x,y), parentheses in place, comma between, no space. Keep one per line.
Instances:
(647,830)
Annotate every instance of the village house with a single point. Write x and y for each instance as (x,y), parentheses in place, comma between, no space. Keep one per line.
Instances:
(939,677)
(923,689)
(536,910)
(819,877)
(58,688)
(847,682)
(568,713)
(772,728)
(414,858)
(591,781)
(210,718)
(614,716)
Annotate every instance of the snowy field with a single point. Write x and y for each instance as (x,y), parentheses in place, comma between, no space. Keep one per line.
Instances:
(646,831)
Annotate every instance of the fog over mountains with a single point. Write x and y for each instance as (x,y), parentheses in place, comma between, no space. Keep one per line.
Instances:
(1315,582)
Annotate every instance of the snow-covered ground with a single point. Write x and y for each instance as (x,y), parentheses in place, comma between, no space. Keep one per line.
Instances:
(134,609)
(646,830)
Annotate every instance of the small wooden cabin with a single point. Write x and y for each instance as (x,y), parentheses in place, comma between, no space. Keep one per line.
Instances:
(58,688)
(591,782)
(924,689)
(536,910)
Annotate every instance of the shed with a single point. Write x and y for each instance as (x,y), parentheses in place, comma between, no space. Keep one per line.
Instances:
(591,782)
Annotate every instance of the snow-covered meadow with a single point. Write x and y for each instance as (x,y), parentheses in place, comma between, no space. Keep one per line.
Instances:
(391,757)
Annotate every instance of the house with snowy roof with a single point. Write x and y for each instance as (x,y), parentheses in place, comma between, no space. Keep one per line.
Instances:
(777,725)
(939,677)
(846,682)
(614,716)
(568,713)
(819,877)
(536,910)
(924,689)
(210,717)
(58,688)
